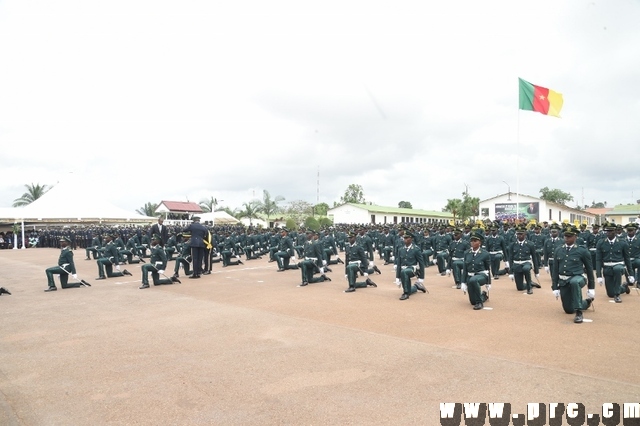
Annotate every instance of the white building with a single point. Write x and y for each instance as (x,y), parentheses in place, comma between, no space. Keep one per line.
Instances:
(352,213)
(503,207)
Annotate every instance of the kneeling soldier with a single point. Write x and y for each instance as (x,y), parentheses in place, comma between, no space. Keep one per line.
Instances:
(157,265)
(476,271)
(567,279)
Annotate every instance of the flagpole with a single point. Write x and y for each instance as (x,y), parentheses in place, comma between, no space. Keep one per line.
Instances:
(518,169)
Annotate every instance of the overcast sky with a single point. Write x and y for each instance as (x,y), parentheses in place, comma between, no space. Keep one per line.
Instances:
(412,100)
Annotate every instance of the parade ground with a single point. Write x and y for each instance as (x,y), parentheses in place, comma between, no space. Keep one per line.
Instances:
(247,346)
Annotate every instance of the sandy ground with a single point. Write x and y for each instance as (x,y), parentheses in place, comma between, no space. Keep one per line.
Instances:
(245,345)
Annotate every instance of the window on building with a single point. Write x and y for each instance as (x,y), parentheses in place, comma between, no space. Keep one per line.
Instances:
(373,218)
(550,215)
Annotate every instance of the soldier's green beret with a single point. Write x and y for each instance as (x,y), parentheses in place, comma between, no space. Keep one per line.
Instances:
(521,229)
(477,235)
(609,226)
(571,230)
(631,225)
(555,226)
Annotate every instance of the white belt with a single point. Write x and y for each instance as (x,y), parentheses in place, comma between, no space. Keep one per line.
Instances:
(496,252)
(565,277)
(457,258)
(520,262)
(313,258)
(551,258)
(592,249)
(355,262)
(471,274)
(613,263)
(443,251)
(407,267)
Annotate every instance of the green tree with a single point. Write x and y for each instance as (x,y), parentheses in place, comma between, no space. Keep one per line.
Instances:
(291,224)
(149,209)
(34,191)
(453,206)
(353,194)
(405,205)
(321,209)
(209,204)
(312,223)
(325,221)
(251,210)
(598,205)
(555,195)
(298,210)
(269,206)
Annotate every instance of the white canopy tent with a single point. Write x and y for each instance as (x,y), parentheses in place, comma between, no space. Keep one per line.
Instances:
(71,201)
(217,218)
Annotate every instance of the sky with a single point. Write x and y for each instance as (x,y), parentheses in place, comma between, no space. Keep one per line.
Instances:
(414,101)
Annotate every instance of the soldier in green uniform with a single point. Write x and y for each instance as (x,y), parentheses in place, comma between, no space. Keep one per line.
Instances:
(441,243)
(523,257)
(386,243)
(476,271)
(110,257)
(286,253)
(65,267)
(592,241)
(409,263)
(426,245)
(634,250)
(93,248)
(455,261)
(314,260)
(171,246)
(156,265)
(356,261)
(612,257)
(550,246)
(538,239)
(567,279)
(184,258)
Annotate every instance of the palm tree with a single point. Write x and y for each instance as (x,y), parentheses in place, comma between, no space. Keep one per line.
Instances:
(453,206)
(268,206)
(149,209)
(209,204)
(33,193)
(250,211)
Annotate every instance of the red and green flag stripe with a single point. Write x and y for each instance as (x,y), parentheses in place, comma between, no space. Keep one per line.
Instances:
(539,99)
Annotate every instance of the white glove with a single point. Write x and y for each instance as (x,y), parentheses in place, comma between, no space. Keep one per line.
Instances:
(293,258)
(398,283)
(537,275)
(463,287)
(117,267)
(488,287)
(75,276)
(506,264)
(591,293)
(392,258)
(346,277)
(448,271)
(323,270)
(161,272)
(420,280)
(546,269)
(395,267)
(556,293)
(324,263)
(434,261)
(632,280)
(511,277)
(600,281)
(366,275)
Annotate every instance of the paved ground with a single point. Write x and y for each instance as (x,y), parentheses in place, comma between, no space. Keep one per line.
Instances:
(246,346)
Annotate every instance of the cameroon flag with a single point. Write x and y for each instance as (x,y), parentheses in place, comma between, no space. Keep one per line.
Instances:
(539,99)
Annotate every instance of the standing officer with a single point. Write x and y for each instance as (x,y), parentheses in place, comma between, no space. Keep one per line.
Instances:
(523,256)
(476,271)
(198,234)
(567,280)
(550,246)
(65,268)
(612,256)
(409,263)
(156,265)
(441,248)
(160,229)
(356,261)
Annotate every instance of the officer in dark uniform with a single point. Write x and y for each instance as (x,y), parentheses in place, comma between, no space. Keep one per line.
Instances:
(184,257)
(567,280)
(550,245)
(455,261)
(93,247)
(476,271)
(634,249)
(314,260)
(110,257)
(286,253)
(441,244)
(198,233)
